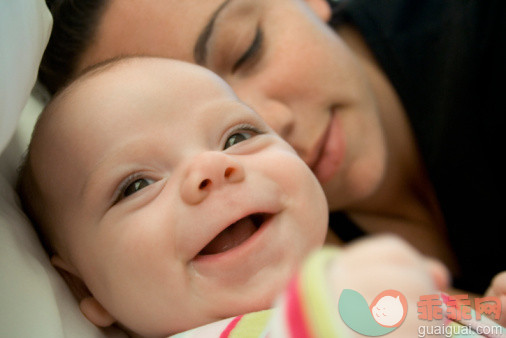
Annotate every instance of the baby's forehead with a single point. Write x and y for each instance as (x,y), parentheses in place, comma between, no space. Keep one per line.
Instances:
(115,90)
(122,74)
(147,75)
(138,67)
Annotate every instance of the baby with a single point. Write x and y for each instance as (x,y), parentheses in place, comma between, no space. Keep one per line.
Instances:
(167,204)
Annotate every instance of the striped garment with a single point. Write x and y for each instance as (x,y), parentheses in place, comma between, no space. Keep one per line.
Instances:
(307,309)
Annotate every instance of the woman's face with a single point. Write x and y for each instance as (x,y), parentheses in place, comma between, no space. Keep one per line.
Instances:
(283,60)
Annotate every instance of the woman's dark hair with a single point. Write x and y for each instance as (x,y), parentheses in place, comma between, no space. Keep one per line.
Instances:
(74,26)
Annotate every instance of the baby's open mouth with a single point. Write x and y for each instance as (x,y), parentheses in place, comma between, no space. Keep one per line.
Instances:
(235,234)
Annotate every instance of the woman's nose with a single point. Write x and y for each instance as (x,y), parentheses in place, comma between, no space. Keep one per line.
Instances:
(276,113)
(278,116)
(207,172)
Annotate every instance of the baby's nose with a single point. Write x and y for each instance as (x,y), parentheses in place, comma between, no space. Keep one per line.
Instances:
(209,171)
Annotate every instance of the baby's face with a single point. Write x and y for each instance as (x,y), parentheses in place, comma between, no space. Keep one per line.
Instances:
(179,205)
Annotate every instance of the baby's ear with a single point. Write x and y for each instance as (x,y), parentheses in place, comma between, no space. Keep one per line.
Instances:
(95,312)
(89,306)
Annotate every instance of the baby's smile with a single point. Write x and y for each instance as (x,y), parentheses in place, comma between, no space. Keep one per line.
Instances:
(235,234)
(237,238)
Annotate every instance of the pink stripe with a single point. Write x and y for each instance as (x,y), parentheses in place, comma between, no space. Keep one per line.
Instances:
(295,316)
(230,327)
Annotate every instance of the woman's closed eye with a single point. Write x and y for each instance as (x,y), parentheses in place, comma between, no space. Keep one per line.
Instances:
(253,52)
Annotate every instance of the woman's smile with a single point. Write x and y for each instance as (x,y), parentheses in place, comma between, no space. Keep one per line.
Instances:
(329,151)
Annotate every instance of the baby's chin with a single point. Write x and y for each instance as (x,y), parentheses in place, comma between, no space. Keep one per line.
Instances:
(263,299)
(241,309)
(258,302)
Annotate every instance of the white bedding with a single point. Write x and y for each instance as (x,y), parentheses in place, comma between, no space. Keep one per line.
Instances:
(34,300)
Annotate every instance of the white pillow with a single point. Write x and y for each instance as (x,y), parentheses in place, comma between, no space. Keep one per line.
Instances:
(34,300)
(24,30)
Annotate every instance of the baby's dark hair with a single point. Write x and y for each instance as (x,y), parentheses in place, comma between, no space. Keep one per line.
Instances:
(74,26)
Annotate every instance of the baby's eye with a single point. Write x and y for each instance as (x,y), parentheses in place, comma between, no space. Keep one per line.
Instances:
(240,133)
(135,186)
(236,138)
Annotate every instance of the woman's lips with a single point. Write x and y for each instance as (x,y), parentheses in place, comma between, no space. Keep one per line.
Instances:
(329,151)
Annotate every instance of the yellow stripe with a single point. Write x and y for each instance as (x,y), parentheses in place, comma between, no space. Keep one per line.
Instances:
(251,325)
(319,303)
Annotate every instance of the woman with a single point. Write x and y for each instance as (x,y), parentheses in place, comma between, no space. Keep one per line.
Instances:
(393,105)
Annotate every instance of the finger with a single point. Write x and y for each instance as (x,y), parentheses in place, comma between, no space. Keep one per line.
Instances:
(439,273)
(498,285)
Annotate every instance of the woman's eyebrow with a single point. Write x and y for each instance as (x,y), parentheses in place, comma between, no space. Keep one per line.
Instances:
(200,50)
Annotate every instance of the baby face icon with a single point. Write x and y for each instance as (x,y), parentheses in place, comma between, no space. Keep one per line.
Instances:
(389,308)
